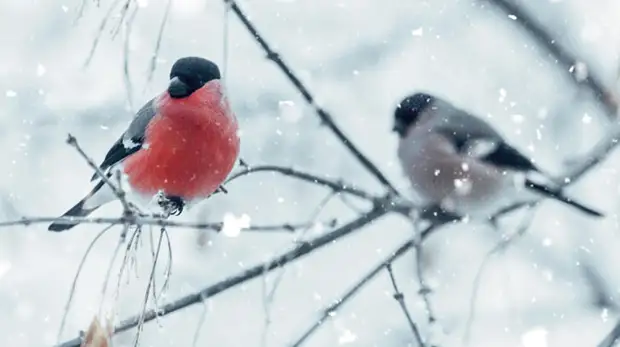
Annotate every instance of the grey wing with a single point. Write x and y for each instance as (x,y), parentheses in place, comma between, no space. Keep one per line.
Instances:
(132,139)
(473,136)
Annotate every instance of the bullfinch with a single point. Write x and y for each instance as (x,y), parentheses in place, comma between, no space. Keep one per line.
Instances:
(458,163)
(183,142)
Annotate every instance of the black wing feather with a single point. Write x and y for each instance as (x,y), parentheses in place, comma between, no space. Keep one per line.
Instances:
(502,154)
(134,135)
(508,157)
(117,152)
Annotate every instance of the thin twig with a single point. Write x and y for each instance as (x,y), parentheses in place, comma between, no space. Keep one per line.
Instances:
(120,194)
(104,22)
(325,117)
(566,60)
(497,249)
(201,320)
(612,338)
(400,298)
(148,290)
(121,18)
(75,279)
(299,251)
(144,221)
(126,74)
(104,289)
(80,11)
(121,272)
(269,295)
(424,288)
(160,36)
(289,171)
(330,310)
(225,46)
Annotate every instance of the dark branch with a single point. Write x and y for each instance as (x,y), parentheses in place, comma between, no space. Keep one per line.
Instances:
(337,186)
(331,309)
(299,251)
(400,298)
(326,118)
(328,312)
(26,221)
(566,60)
(612,338)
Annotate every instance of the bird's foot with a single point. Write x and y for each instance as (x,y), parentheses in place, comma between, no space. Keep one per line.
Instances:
(173,205)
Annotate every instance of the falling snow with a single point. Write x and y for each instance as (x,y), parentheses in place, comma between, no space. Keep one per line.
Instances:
(232,225)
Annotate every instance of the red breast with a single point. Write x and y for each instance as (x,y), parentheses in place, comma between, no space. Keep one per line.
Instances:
(191,145)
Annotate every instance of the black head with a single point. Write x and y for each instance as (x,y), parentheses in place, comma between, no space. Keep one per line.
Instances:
(189,74)
(408,111)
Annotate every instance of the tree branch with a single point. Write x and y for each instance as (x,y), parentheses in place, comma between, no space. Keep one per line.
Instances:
(566,60)
(328,311)
(612,338)
(400,298)
(153,221)
(299,251)
(326,118)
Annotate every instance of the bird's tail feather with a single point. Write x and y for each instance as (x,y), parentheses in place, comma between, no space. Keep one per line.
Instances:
(79,210)
(76,211)
(558,195)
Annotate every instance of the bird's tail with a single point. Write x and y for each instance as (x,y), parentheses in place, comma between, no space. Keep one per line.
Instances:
(557,194)
(76,211)
(79,210)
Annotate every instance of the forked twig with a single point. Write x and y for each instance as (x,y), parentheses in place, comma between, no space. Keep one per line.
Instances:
(400,298)
(325,117)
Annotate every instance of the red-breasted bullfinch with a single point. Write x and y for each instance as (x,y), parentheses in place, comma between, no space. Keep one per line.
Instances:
(459,163)
(183,142)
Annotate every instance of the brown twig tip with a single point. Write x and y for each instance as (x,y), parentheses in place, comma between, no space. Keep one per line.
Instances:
(71,139)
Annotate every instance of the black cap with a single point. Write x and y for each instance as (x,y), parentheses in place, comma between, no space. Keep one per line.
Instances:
(408,111)
(189,74)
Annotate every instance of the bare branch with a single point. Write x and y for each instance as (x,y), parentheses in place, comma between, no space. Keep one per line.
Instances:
(565,59)
(337,186)
(75,279)
(497,249)
(424,289)
(325,117)
(330,310)
(612,338)
(269,294)
(203,317)
(160,36)
(126,75)
(104,22)
(154,221)
(601,295)
(299,251)
(120,194)
(400,298)
(148,289)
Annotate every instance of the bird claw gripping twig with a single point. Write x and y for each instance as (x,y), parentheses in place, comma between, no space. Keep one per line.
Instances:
(172,205)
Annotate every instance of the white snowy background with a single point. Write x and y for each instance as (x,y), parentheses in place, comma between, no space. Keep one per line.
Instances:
(359,57)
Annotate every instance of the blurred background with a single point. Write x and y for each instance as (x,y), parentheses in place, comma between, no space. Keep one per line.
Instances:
(359,58)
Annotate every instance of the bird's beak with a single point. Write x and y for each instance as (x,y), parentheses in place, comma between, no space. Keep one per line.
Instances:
(398,127)
(178,88)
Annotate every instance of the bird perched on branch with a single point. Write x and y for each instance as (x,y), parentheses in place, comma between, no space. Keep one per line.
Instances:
(459,164)
(182,142)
